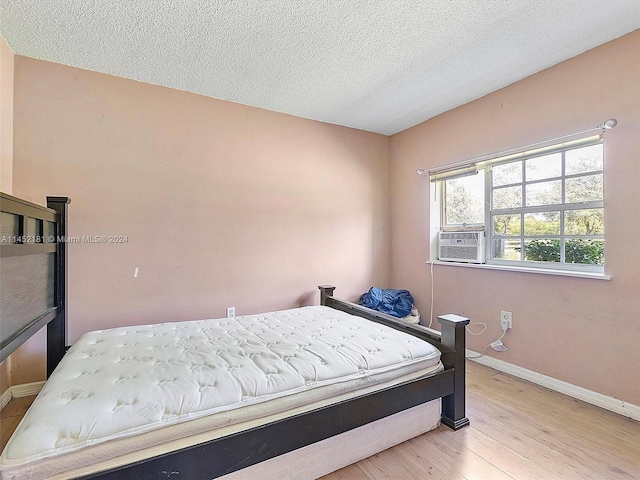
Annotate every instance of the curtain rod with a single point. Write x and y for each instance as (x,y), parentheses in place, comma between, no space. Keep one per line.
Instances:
(606,125)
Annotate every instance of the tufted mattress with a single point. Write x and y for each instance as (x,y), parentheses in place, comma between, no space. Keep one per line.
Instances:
(125,392)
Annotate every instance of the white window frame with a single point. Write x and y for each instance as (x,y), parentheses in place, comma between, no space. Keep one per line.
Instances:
(437,207)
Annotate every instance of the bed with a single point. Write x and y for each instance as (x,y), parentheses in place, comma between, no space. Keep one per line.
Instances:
(289,394)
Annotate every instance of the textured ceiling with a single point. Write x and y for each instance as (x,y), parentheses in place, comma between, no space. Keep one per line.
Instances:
(381,66)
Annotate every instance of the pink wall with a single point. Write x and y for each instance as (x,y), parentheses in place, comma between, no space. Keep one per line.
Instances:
(6,150)
(585,332)
(6,116)
(222,204)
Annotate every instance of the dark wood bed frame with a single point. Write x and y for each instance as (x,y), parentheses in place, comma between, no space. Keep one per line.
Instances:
(221,456)
(33,299)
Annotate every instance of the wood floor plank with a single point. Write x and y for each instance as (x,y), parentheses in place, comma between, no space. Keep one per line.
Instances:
(528,431)
(7,426)
(455,458)
(575,448)
(540,454)
(420,463)
(383,466)
(11,415)
(606,431)
(499,455)
(17,407)
(586,413)
(352,472)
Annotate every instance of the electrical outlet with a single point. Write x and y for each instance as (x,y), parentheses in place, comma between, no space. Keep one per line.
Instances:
(231,312)
(506,320)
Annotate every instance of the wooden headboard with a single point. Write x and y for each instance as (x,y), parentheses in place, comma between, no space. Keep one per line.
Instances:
(33,274)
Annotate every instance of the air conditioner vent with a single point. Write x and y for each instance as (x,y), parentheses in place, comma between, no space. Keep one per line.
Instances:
(461,247)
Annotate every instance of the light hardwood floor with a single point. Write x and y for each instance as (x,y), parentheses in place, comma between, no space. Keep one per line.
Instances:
(518,431)
(11,415)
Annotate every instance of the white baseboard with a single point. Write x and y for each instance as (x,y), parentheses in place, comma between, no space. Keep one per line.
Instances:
(26,389)
(17,391)
(594,398)
(5,398)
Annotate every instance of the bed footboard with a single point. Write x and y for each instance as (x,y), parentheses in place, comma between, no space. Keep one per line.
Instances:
(450,341)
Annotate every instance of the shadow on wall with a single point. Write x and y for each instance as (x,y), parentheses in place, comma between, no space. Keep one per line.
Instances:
(307,298)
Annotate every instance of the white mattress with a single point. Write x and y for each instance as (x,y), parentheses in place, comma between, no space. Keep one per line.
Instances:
(135,388)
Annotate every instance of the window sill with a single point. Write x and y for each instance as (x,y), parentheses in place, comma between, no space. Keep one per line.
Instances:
(509,268)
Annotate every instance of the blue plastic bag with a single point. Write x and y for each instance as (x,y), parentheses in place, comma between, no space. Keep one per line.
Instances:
(393,302)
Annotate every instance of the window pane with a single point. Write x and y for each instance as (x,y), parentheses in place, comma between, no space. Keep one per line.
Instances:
(542,223)
(506,174)
(584,189)
(585,251)
(507,225)
(544,193)
(542,250)
(464,200)
(589,221)
(583,160)
(507,249)
(539,168)
(508,197)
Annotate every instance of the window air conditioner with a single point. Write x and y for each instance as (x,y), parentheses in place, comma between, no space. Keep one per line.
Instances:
(461,247)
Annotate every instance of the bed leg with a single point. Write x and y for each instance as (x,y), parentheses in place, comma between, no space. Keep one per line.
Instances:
(453,341)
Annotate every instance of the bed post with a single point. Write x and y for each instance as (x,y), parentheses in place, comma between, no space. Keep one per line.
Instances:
(453,340)
(326,291)
(57,328)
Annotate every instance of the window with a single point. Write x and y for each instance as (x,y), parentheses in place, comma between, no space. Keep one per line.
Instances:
(542,208)
(464,201)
